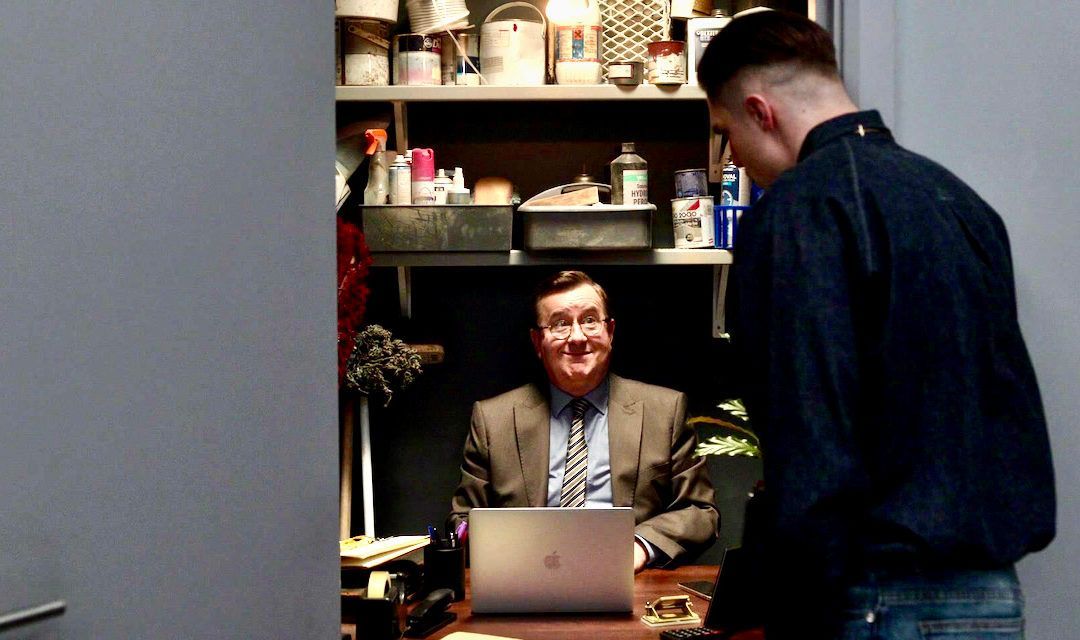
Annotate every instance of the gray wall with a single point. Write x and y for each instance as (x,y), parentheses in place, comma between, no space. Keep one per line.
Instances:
(990,89)
(168,439)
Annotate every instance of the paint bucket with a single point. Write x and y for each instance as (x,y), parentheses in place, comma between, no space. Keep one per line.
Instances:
(692,222)
(512,51)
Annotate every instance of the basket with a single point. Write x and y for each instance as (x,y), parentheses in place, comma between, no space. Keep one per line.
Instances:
(629,26)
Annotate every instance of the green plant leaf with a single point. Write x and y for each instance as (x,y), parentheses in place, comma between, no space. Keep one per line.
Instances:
(727,446)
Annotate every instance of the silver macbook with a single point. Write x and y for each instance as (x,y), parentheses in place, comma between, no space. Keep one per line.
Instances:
(550,559)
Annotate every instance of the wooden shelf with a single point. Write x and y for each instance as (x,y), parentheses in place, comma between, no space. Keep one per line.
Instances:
(517,258)
(550,92)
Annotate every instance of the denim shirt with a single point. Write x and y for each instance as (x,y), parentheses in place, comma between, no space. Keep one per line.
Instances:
(874,317)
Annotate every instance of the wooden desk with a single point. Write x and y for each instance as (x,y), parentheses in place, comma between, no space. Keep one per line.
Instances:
(648,585)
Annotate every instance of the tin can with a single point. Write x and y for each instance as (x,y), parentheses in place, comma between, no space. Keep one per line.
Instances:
(625,72)
(734,186)
(690,183)
(667,62)
(400,181)
(692,221)
(417,59)
(727,224)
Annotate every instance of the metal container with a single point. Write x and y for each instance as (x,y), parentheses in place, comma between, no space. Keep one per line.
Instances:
(592,227)
(625,72)
(692,222)
(690,182)
(438,228)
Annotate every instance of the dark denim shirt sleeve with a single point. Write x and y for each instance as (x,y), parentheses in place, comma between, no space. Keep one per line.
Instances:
(874,316)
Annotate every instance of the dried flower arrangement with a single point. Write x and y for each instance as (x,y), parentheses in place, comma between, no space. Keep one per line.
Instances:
(380,364)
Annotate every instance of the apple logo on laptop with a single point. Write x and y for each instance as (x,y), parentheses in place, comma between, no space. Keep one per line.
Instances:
(552,561)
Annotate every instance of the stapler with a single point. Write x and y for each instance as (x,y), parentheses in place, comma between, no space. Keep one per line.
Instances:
(430,614)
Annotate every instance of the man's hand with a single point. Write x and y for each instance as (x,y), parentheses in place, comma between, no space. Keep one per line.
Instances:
(640,556)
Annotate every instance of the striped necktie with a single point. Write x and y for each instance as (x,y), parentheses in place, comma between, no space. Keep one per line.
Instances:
(577,458)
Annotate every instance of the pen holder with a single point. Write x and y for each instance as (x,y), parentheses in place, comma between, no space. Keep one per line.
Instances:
(444,567)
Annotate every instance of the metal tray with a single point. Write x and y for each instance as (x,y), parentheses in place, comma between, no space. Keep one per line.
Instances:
(405,227)
(592,227)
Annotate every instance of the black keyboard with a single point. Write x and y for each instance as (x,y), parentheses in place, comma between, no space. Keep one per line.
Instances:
(692,633)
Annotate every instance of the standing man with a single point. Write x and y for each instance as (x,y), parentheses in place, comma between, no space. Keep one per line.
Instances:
(627,442)
(906,456)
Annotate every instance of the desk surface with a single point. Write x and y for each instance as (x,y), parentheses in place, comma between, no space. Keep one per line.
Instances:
(648,585)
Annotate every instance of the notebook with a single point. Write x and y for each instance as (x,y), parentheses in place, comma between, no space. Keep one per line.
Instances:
(550,559)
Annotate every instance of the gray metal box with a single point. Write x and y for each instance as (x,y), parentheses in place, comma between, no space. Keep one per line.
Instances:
(598,226)
(407,227)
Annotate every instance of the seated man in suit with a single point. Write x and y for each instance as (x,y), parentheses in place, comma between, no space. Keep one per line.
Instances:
(627,442)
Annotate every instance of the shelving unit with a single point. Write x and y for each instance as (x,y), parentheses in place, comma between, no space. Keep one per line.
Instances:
(552,92)
(518,258)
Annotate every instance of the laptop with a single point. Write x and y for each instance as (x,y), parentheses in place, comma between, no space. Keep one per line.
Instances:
(551,559)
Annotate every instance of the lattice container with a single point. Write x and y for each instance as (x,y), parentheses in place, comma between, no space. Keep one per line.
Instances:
(630,25)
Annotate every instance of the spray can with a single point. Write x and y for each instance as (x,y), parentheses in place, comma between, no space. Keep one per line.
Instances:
(443,184)
(400,181)
(629,177)
(423,176)
(734,186)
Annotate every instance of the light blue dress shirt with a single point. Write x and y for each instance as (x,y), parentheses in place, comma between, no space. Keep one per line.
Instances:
(598,480)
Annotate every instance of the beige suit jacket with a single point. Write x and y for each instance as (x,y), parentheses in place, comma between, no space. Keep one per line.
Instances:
(653,468)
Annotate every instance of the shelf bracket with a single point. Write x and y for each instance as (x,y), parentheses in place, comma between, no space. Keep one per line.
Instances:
(404,285)
(401,125)
(720,281)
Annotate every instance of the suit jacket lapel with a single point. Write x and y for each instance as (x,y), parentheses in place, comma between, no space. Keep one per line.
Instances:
(533,430)
(624,442)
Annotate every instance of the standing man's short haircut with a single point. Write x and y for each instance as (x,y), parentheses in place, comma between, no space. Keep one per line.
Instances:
(565,281)
(763,38)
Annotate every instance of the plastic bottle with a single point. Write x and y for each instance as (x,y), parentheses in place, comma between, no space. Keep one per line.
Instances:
(457,193)
(400,181)
(378,183)
(443,183)
(577,40)
(629,177)
(423,176)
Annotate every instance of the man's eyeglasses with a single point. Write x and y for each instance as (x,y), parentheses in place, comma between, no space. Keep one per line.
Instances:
(590,326)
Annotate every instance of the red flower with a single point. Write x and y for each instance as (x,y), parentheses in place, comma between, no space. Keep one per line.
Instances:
(354,260)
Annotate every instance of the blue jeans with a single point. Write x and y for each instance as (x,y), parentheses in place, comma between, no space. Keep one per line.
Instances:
(936,605)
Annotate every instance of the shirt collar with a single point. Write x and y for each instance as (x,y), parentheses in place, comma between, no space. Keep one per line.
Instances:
(840,126)
(598,397)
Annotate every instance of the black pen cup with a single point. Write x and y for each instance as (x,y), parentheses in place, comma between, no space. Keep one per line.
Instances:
(444,567)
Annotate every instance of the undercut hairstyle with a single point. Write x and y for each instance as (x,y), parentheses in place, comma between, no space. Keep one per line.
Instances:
(763,38)
(565,281)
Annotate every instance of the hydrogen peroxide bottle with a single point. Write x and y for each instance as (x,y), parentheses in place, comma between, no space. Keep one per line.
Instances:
(629,177)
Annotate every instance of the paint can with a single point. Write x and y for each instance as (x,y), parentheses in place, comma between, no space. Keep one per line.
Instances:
(734,186)
(417,59)
(692,222)
(667,62)
(690,183)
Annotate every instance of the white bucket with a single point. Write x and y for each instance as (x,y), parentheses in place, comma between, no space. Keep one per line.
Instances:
(377,9)
(512,51)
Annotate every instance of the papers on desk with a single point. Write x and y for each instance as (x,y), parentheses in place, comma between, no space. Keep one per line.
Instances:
(367,552)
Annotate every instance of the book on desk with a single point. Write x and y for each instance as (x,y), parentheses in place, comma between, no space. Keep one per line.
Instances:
(367,552)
